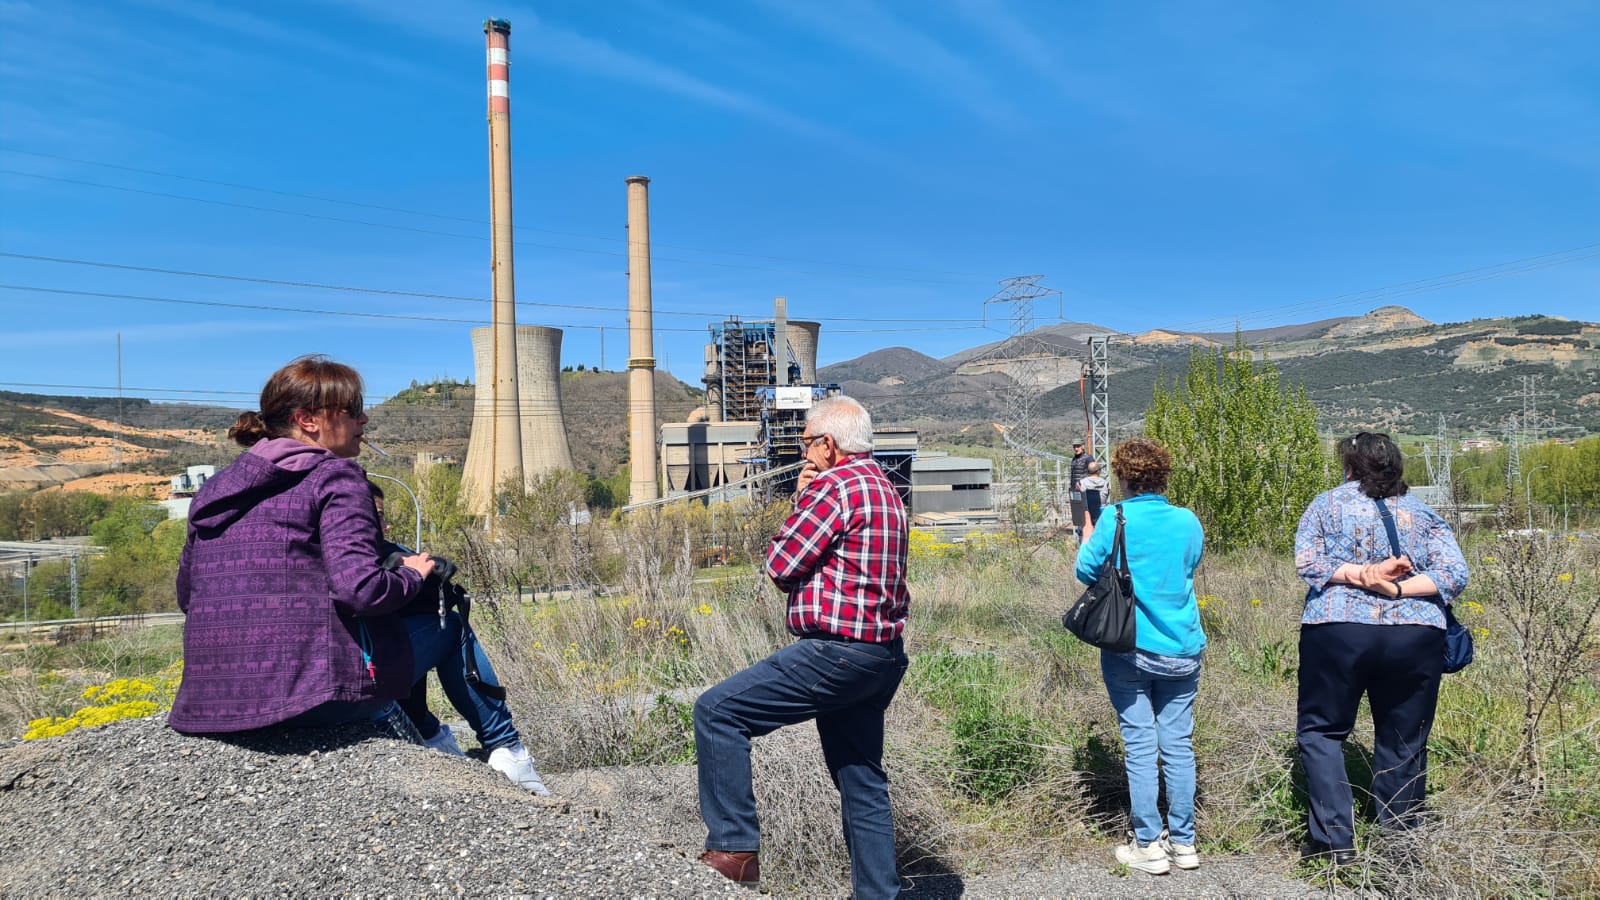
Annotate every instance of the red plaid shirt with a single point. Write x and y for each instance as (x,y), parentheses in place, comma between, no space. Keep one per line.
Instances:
(841,555)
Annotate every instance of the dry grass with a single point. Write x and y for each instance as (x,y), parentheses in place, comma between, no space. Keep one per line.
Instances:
(1002,747)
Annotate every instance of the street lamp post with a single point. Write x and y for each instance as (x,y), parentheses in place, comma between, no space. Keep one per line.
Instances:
(415,506)
(1527,483)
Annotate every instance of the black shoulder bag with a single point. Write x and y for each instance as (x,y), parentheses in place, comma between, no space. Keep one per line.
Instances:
(1457,639)
(1103,617)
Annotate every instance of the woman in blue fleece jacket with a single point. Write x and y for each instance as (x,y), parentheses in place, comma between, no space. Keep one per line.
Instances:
(1153,688)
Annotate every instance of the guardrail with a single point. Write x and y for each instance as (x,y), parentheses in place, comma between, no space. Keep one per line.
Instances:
(84,628)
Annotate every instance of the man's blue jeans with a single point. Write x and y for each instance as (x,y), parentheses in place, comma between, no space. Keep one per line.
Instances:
(433,648)
(846,687)
(1156,716)
(439,649)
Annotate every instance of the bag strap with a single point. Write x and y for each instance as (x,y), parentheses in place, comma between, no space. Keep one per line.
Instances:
(1388,525)
(1119,545)
(1395,548)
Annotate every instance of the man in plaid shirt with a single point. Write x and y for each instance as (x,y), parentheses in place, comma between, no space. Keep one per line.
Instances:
(841,557)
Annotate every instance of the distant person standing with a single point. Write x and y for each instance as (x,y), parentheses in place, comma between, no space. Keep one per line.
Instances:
(841,557)
(1076,502)
(1096,491)
(1080,465)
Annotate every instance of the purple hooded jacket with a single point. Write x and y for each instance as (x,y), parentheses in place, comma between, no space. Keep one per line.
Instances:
(280,581)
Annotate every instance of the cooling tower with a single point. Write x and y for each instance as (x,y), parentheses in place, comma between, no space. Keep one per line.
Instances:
(803,342)
(543,430)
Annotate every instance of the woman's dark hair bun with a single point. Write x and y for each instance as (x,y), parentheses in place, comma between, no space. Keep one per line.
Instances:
(248,429)
(1375,460)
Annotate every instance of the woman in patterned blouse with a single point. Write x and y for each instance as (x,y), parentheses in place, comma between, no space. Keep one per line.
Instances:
(1373,624)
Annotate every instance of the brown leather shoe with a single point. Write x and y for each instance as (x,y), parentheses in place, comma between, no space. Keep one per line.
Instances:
(740,867)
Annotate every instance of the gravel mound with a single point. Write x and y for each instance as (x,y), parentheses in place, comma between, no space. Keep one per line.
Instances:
(137,809)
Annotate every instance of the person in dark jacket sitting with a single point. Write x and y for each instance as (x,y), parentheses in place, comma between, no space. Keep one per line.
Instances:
(473,703)
(291,620)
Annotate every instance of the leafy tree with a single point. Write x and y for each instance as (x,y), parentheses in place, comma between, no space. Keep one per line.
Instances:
(1245,452)
(598,494)
(39,515)
(539,521)
(138,571)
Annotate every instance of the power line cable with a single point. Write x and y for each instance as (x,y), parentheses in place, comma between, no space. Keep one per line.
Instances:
(386,292)
(470,237)
(465,219)
(301,310)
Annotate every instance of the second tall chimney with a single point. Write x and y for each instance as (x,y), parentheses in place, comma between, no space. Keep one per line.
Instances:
(642,485)
(505,424)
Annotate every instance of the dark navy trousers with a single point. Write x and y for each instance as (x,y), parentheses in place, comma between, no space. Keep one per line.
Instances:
(1398,668)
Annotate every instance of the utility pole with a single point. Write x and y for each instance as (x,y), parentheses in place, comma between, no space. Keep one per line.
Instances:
(1024,355)
(1100,400)
(1440,462)
(1513,465)
(116,446)
(1529,395)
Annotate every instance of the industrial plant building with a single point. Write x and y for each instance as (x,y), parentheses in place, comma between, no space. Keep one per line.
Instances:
(760,379)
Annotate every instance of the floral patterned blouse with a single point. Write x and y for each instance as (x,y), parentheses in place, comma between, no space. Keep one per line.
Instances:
(1343,526)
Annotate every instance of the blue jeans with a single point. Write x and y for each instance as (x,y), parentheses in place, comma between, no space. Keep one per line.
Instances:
(1156,716)
(439,649)
(846,687)
(433,648)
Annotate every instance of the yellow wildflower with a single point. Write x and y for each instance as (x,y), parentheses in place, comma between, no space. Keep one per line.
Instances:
(1564,577)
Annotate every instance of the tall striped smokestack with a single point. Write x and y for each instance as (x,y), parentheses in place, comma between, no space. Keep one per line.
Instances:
(642,483)
(506,429)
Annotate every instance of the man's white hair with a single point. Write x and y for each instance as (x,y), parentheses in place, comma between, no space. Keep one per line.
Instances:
(844,420)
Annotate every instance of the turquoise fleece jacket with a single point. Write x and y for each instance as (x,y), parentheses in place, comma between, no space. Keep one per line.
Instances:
(1164,547)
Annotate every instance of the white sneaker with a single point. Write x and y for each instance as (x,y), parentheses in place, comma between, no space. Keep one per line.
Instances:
(1184,856)
(516,763)
(1151,857)
(444,742)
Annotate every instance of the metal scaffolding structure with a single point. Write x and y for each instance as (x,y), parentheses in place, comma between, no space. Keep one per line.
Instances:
(1098,370)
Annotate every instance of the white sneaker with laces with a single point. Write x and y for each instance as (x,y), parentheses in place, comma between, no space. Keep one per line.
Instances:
(1184,856)
(1150,858)
(444,742)
(516,763)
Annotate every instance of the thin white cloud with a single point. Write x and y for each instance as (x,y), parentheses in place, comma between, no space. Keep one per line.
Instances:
(1024,43)
(868,28)
(249,25)
(537,38)
(179,333)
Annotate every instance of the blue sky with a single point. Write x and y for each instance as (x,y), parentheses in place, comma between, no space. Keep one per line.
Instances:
(880,164)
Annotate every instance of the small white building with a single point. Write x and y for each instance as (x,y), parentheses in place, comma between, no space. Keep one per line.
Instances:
(183,490)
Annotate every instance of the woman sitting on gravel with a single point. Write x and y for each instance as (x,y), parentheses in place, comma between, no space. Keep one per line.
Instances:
(291,619)
(1153,688)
